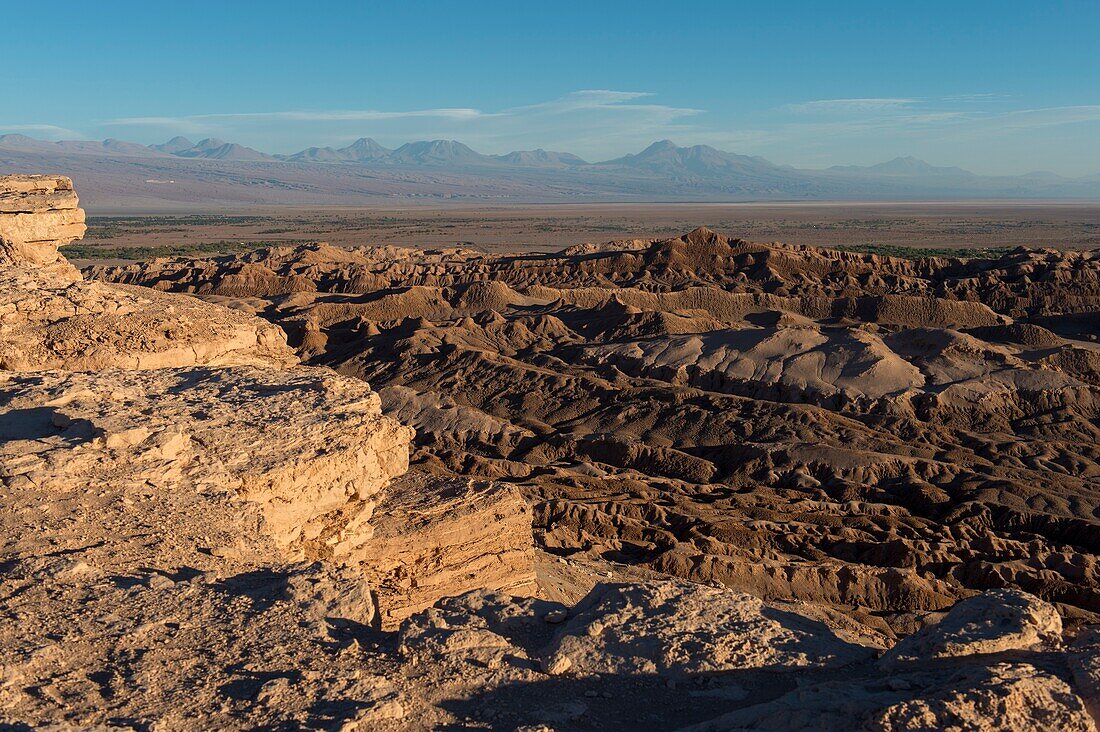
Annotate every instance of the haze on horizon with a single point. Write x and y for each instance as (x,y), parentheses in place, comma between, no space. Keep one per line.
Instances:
(996,88)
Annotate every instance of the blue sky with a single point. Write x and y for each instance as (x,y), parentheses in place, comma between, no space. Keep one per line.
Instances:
(997,87)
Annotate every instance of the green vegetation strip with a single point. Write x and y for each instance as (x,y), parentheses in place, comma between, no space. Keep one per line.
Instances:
(93,251)
(894,250)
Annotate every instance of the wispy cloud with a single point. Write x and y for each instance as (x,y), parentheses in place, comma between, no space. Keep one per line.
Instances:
(52,132)
(362,115)
(600,99)
(1050,116)
(976,97)
(592,99)
(849,106)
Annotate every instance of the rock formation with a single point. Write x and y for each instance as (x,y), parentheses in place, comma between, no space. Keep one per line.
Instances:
(879,435)
(38,214)
(112,386)
(664,655)
(433,537)
(202,534)
(203,429)
(50,318)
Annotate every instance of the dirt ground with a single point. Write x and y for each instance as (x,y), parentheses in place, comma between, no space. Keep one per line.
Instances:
(882,226)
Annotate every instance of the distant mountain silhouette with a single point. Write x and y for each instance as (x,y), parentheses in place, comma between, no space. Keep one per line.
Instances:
(214,149)
(22,143)
(666,159)
(438,152)
(316,155)
(541,159)
(365,149)
(450,169)
(907,166)
(174,146)
(362,150)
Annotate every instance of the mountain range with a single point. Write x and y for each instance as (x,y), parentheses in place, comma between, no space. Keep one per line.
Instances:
(181,173)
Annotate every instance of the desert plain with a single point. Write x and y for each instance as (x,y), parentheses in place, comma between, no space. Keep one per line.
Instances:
(871,226)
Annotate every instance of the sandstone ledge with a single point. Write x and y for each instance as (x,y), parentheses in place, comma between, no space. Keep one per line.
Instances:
(48,321)
(299,442)
(38,214)
(433,537)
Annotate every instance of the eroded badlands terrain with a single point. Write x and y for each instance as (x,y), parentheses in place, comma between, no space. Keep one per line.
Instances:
(694,483)
(881,436)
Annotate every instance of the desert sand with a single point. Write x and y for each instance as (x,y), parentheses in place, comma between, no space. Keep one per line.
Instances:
(670,483)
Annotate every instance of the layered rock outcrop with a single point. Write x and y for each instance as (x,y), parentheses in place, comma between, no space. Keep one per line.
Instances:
(38,214)
(114,386)
(302,444)
(50,318)
(434,537)
(50,321)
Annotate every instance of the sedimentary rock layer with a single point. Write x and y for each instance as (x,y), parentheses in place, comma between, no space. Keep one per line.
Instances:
(49,321)
(38,214)
(210,431)
(50,318)
(113,387)
(432,537)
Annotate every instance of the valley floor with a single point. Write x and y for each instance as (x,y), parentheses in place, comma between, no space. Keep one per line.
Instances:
(905,228)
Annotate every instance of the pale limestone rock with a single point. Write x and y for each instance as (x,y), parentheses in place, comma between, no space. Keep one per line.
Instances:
(13,202)
(49,321)
(38,214)
(1084,663)
(498,640)
(28,185)
(478,627)
(1001,697)
(114,607)
(349,598)
(432,537)
(992,622)
(300,443)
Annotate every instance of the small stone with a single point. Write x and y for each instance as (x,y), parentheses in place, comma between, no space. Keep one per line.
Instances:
(159,582)
(556,665)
